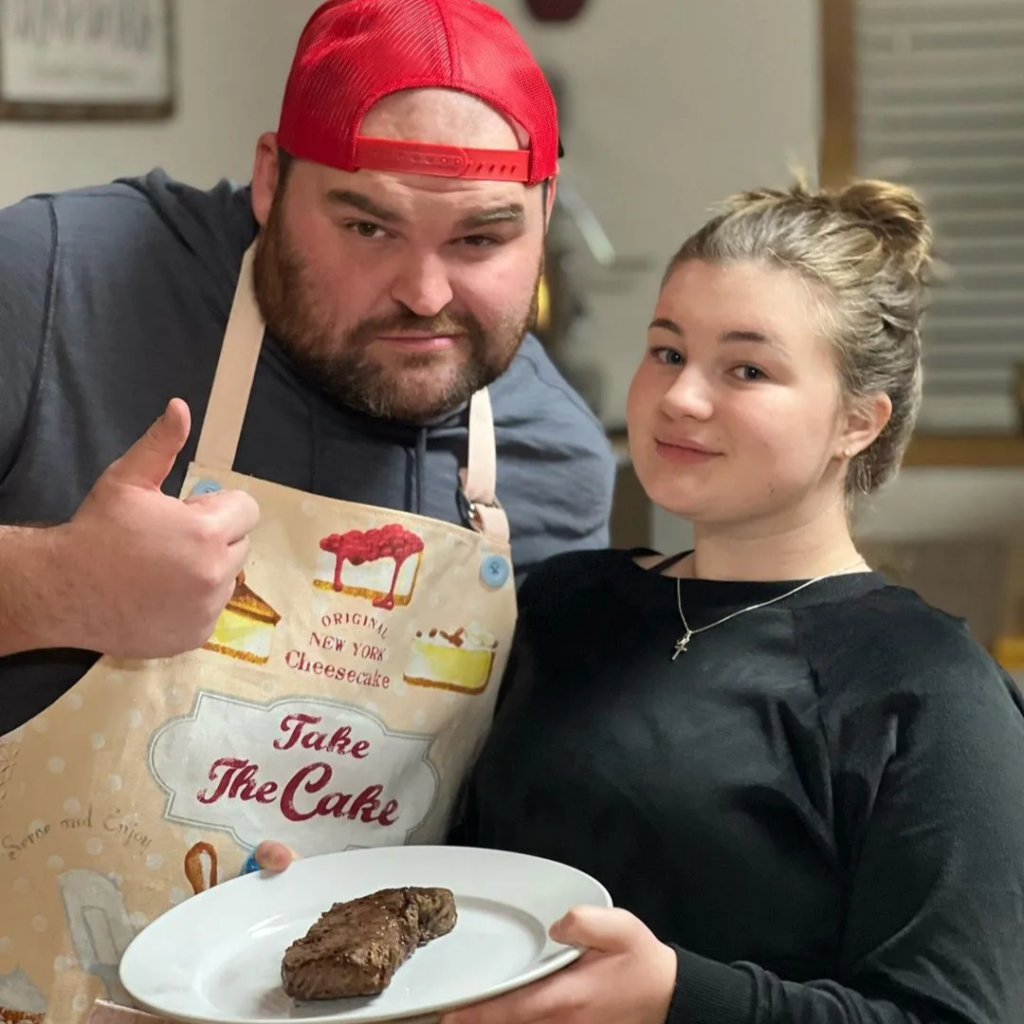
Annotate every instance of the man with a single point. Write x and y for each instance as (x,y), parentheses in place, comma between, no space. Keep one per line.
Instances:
(391,296)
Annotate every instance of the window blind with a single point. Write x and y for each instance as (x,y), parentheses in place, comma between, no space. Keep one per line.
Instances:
(939,102)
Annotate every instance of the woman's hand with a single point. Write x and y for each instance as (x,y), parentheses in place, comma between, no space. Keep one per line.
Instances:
(273,856)
(626,976)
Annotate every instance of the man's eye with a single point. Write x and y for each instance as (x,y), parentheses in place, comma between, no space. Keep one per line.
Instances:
(364,229)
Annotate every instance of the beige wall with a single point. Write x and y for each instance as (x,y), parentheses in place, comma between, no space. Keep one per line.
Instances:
(672,105)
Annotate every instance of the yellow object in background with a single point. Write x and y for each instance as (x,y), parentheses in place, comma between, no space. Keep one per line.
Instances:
(543,305)
(1008,650)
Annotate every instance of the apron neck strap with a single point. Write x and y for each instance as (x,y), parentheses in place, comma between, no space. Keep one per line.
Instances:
(229,400)
(236,368)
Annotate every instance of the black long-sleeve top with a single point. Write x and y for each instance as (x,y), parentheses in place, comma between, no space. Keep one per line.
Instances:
(820,804)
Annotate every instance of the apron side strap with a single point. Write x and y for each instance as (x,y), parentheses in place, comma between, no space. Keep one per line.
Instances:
(493,523)
(490,520)
(480,480)
(236,368)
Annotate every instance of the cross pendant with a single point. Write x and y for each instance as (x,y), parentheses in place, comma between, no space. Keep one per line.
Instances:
(681,644)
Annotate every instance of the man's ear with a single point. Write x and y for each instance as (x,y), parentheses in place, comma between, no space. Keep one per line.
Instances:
(550,205)
(265,176)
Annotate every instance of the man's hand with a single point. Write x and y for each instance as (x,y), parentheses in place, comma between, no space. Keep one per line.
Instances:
(626,976)
(141,574)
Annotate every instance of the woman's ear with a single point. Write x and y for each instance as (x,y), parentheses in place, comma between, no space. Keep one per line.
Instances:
(864,422)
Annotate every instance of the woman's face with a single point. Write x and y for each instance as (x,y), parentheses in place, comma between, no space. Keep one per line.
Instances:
(735,412)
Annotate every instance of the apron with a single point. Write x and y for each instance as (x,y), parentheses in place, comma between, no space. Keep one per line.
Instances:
(339,703)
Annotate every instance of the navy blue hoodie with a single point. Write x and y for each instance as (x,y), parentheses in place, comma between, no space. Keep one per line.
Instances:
(115,298)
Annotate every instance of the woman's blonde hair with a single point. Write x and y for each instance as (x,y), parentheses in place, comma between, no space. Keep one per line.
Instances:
(868,246)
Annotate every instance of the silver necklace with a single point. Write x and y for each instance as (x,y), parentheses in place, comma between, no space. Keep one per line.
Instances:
(684,641)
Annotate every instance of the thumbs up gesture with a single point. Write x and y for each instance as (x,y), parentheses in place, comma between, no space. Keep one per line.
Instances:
(145,574)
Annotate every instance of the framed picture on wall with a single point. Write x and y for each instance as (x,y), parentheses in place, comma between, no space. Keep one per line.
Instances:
(86,60)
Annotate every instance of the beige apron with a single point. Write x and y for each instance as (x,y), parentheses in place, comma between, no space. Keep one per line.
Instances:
(338,704)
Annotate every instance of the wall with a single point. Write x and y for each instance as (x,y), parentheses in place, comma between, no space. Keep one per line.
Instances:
(233,57)
(920,506)
(670,107)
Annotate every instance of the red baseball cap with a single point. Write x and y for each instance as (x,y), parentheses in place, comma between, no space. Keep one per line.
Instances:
(353,53)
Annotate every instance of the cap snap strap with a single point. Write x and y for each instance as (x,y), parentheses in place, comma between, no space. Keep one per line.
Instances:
(442,161)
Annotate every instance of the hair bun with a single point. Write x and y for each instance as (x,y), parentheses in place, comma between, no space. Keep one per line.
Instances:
(896,215)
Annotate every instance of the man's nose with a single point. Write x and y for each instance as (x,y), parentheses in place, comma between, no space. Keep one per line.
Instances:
(423,285)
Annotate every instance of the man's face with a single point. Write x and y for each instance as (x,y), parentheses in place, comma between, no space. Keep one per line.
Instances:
(400,295)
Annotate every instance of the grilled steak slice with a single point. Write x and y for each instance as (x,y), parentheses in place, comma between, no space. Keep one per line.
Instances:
(355,947)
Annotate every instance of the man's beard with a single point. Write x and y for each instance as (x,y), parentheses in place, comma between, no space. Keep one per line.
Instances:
(341,363)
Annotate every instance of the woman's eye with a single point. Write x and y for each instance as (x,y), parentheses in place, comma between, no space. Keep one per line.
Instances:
(750,373)
(667,356)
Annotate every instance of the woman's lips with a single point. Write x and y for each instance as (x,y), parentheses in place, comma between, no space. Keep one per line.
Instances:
(684,452)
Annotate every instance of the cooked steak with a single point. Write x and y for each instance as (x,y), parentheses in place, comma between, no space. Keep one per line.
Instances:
(355,947)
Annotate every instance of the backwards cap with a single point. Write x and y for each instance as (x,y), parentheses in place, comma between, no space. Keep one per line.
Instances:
(353,53)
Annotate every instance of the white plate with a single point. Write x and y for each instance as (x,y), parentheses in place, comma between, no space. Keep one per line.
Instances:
(216,958)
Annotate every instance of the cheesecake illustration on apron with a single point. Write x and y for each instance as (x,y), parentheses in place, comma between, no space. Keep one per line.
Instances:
(338,704)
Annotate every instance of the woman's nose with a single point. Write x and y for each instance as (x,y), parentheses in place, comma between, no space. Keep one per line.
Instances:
(690,395)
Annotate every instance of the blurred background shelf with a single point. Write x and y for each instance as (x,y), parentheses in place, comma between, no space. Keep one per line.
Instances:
(964,451)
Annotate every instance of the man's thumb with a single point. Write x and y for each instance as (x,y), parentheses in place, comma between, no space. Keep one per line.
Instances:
(149,460)
(601,928)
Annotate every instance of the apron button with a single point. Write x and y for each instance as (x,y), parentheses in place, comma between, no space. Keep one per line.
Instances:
(206,487)
(495,571)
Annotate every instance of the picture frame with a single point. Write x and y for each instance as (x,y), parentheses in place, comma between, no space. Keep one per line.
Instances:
(87,60)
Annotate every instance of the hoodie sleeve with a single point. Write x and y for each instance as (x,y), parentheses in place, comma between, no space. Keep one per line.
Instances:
(27,273)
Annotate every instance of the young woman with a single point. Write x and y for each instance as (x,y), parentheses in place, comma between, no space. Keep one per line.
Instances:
(803,786)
